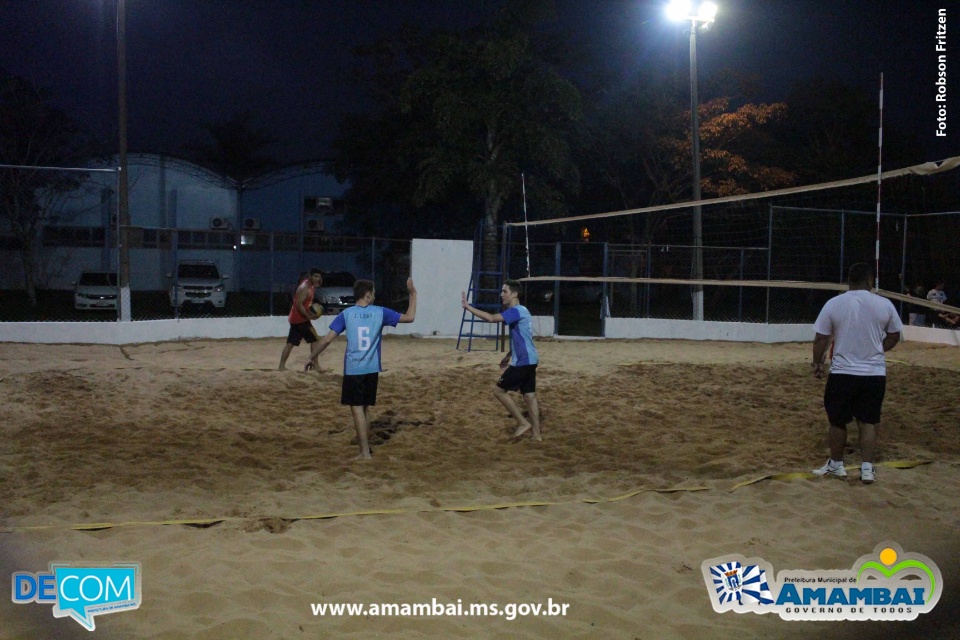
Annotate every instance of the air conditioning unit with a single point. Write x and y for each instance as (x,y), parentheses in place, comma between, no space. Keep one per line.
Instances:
(219,223)
(314,204)
(314,225)
(251,224)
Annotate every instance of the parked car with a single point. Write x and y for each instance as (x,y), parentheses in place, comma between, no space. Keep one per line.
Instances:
(198,282)
(96,290)
(336,292)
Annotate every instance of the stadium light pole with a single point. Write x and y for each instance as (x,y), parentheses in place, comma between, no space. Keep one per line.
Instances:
(123,201)
(701,16)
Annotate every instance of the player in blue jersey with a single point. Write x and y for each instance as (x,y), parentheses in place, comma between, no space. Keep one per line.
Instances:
(519,366)
(363,325)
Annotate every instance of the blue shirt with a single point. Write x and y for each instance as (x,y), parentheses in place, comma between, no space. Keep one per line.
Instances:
(521,336)
(363,326)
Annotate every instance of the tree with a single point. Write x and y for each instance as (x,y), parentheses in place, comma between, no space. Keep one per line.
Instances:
(237,149)
(34,133)
(464,113)
(639,147)
(496,110)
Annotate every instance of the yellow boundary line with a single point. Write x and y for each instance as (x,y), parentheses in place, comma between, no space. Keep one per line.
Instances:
(801,475)
(208,522)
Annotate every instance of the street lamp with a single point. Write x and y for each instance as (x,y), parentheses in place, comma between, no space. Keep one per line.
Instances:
(704,14)
(123,201)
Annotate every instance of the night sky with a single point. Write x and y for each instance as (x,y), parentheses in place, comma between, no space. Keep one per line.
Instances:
(289,61)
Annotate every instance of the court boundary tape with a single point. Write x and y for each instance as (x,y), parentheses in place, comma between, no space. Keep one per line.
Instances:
(210,522)
(801,475)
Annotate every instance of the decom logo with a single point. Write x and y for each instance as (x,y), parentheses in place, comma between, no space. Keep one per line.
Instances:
(887,584)
(81,591)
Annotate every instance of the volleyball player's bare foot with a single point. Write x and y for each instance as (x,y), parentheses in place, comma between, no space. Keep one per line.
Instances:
(361,457)
(281,368)
(522,428)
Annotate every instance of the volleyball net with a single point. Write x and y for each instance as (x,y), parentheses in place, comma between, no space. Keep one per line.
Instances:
(773,257)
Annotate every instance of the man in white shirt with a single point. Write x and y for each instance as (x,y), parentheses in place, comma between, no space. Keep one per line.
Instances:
(863,326)
(937,294)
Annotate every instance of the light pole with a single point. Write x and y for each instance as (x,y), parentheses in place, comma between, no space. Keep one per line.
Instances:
(704,14)
(123,202)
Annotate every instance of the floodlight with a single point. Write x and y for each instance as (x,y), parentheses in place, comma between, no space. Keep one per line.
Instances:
(678,10)
(707,12)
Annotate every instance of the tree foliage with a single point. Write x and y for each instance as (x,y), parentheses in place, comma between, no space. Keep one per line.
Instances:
(639,146)
(473,111)
(34,133)
(236,148)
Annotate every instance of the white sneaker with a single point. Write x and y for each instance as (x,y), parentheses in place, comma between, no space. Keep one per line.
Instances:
(867,474)
(832,468)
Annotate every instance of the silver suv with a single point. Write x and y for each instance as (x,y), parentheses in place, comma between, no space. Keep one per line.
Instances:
(336,291)
(198,282)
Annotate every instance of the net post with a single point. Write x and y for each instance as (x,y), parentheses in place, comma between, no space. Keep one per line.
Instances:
(769,256)
(604,290)
(556,292)
(843,240)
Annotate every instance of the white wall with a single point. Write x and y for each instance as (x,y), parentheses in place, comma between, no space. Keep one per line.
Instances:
(929,334)
(441,270)
(692,330)
(747,332)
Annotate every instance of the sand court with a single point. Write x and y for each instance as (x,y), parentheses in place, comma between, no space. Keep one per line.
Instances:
(644,445)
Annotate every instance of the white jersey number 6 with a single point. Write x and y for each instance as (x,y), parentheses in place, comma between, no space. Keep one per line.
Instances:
(363,338)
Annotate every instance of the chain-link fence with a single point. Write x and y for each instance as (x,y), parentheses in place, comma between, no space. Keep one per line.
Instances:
(59,259)
(225,273)
(781,243)
(200,273)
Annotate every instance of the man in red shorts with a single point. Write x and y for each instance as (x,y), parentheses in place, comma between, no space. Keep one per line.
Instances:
(300,326)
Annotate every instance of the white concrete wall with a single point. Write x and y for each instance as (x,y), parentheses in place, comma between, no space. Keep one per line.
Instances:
(692,330)
(147,330)
(929,334)
(748,332)
(440,270)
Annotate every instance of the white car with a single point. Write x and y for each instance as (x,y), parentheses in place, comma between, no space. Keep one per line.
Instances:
(198,282)
(336,291)
(96,290)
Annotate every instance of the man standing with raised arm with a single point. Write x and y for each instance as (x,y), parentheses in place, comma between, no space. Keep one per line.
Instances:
(863,326)
(521,374)
(364,325)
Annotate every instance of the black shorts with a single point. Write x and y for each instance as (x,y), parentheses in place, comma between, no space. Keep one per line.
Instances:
(522,379)
(360,391)
(302,330)
(847,397)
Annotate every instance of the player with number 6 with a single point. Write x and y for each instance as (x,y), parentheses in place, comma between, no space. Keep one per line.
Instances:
(363,325)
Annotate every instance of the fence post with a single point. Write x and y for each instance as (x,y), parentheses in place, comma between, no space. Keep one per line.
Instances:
(272,273)
(604,290)
(843,231)
(176,274)
(646,296)
(769,257)
(740,306)
(903,265)
(556,291)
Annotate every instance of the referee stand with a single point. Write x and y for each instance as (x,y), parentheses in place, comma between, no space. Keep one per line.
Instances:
(482,295)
